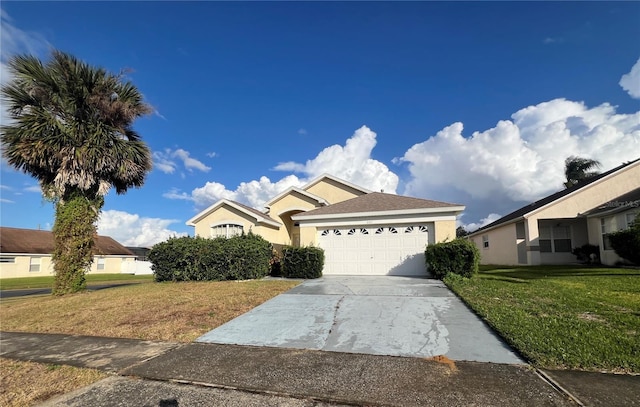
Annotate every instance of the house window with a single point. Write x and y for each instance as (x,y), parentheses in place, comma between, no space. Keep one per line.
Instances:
(556,239)
(364,231)
(606,227)
(630,218)
(351,232)
(423,229)
(226,230)
(379,231)
(7,259)
(324,233)
(101,263)
(34,264)
(393,230)
(409,229)
(337,232)
(485,241)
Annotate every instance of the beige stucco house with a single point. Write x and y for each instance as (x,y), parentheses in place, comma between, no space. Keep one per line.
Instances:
(27,253)
(546,231)
(361,232)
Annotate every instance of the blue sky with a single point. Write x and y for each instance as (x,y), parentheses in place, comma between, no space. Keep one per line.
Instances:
(474,103)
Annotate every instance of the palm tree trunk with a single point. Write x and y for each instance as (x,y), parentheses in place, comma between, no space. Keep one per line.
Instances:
(74,230)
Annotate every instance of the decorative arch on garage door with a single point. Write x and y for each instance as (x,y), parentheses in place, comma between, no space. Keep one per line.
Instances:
(375,250)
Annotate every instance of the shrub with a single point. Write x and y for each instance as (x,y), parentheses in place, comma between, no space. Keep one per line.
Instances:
(459,256)
(626,243)
(302,262)
(197,259)
(587,253)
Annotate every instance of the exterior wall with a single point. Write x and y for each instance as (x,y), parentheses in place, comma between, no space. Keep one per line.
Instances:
(282,209)
(444,230)
(308,236)
(580,202)
(113,265)
(502,246)
(225,214)
(333,192)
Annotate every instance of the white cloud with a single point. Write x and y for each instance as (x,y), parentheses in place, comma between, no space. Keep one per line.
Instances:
(212,154)
(16,41)
(351,162)
(630,82)
(167,161)
(6,201)
(302,132)
(519,160)
(473,226)
(33,188)
(134,230)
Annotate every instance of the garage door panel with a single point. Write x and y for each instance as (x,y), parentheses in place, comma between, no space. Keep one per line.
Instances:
(388,250)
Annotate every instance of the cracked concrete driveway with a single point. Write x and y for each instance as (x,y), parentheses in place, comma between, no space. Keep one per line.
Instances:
(397,316)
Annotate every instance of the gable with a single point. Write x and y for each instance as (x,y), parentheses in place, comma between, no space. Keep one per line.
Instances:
(295,200)
(334,190)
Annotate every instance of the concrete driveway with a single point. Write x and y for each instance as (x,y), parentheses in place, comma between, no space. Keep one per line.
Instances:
(397,316)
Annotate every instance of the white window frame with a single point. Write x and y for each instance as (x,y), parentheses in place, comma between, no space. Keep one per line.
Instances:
(7,259)
(485,241)
(35,264)
(226,230)
(630,218)
(552,238)
(101,264)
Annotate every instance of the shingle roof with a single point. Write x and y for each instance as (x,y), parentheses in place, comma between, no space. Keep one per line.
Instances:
(378,202)
(518,213)
(14,240)
(261,215)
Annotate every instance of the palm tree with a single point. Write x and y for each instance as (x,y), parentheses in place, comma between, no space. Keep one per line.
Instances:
(578,169)
(71,128)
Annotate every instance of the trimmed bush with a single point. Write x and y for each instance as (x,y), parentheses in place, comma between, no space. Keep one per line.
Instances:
(626,243)
(302,262)
(199,259)
(587,253)
(459,256)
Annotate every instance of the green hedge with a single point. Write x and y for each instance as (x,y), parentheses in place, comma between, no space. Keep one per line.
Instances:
(459,256)
(302,262)
(626,243)
(198,259)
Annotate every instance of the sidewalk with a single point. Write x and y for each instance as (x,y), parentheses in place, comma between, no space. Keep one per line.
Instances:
(169,374)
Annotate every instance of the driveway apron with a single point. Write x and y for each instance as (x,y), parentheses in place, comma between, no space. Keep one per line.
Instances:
(378,315)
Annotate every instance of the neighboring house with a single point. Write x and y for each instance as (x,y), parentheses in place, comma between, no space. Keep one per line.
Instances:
(27,253)
(361,232)
(546,231)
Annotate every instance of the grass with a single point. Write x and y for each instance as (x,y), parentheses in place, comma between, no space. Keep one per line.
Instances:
(176,312)
(28,383)
(47,281)
(156,311)
(561,317)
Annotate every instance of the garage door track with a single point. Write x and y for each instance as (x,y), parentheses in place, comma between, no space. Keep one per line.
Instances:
(377,315)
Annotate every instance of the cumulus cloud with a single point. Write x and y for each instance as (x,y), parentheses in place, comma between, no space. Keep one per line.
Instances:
(16,41)
(168,160)
(351,162)
(134,230)
(522,159)
(630,82)
(473,226)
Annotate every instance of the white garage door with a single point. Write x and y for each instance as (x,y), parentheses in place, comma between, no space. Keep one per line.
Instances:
(379,250)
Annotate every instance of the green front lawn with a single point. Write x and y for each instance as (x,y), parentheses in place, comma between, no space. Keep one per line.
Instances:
(47,281)
(561,317)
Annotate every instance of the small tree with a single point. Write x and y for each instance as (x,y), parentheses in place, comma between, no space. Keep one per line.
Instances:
(626,243)
(461,231)
(71,129)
